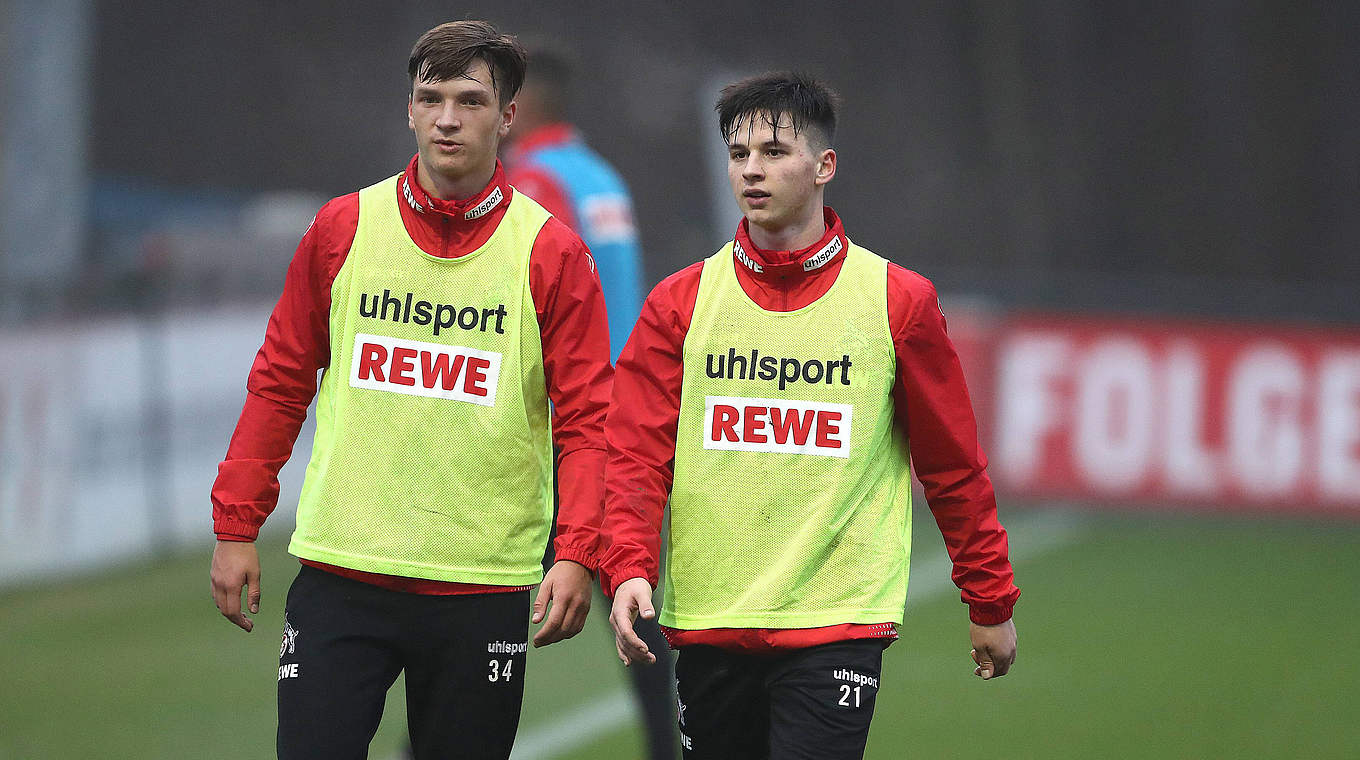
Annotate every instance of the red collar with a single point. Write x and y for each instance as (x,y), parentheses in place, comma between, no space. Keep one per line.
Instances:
(449,229)
(780,265)
(547,136)
(494,196)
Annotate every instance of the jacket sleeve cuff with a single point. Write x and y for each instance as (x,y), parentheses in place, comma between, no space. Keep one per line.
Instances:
(612,580)
(579,556)
(235,530)
(990,613)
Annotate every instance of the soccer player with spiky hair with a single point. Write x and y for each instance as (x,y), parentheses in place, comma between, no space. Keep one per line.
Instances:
(776,392)
(447,311)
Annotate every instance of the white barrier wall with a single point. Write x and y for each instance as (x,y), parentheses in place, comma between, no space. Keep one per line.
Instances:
(110,436)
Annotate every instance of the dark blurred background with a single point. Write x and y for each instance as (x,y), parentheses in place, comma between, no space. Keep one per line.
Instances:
(1183,157)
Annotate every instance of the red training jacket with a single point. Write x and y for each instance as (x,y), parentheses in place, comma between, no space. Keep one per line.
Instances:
(931,402)
(572,322)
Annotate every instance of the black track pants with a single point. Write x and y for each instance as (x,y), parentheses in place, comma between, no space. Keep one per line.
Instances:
(814,703)
(345,642)
(654,689)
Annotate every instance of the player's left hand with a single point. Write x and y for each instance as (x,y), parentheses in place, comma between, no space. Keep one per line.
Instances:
(564,598)
(993,648)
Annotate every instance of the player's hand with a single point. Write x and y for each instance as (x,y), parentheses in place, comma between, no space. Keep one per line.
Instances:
(564,596)
(236,564)
(993,648)
(633,597)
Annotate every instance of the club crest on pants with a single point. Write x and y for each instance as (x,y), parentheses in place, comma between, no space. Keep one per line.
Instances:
(289,643)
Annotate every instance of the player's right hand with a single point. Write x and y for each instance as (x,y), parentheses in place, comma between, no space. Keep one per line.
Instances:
(236,564)
(994,648)
(633,597)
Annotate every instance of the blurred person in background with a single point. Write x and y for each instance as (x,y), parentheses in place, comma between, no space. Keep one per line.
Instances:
(770,391)
(548,160)
(447,311)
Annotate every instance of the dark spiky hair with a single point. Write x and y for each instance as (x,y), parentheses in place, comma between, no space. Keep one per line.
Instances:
(809,104)
(449,50)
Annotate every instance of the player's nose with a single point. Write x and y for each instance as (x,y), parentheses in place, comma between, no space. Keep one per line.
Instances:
(752,169)
(448,119)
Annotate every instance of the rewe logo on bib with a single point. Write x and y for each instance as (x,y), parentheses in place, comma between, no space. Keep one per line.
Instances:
(781,426)
(417,368)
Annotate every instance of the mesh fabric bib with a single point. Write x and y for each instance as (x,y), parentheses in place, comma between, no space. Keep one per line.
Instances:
(432,456)
(791,502)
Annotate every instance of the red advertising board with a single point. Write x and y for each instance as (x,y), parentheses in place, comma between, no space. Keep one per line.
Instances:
(1157,410)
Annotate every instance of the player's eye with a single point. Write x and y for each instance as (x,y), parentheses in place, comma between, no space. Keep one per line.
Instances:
(772,152)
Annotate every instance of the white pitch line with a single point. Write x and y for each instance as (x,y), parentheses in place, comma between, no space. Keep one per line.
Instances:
(1040,533)
(576,727)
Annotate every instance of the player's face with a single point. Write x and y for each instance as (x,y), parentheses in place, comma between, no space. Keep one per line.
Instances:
(776,175)
(459,124)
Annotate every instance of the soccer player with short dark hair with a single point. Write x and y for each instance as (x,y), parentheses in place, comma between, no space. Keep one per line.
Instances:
(776,392)
(462,333)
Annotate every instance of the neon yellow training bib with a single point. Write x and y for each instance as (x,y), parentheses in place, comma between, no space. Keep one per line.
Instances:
(432,456)
(791,504)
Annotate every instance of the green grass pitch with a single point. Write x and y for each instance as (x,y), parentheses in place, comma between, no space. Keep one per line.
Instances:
(1141,636)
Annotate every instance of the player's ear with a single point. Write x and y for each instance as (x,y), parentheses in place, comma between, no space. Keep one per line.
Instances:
(826,166)
(410,117)
(508,117)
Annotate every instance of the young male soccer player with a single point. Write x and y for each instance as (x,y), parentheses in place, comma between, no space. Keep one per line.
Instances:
(772,390)
(447,310)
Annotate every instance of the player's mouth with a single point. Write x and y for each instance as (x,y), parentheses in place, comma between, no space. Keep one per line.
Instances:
(756,198)
(448,146)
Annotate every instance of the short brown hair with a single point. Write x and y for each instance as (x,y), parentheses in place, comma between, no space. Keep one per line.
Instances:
(448,50)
